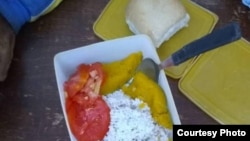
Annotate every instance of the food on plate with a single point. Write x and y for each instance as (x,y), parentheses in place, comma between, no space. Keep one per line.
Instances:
(159,19)
(132,120)
(147,90)
(88,114)
(119,72)
(136,107)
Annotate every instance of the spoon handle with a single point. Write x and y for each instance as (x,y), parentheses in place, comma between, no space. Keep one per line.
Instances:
(217,38)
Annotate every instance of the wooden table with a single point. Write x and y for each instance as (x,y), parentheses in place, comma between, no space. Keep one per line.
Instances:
(31,110)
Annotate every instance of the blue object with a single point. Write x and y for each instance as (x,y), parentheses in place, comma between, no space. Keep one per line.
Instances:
(227,34)
(18,12)
(246,2)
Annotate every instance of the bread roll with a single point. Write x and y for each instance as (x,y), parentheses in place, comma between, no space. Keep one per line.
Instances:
(159,19)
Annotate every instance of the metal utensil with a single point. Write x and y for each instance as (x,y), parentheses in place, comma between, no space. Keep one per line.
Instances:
(219,37)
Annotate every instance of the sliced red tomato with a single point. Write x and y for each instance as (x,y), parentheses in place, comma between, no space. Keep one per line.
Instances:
(87,78)
(90,121)
(77,80)
(88,114)
(95,80)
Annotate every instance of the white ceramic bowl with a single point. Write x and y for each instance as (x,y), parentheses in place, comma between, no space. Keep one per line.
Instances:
(66,62)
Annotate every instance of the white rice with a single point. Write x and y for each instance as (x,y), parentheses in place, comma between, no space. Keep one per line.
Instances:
(132,122)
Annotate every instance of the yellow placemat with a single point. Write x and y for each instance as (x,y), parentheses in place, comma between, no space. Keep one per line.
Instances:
(219,83)
(111,24)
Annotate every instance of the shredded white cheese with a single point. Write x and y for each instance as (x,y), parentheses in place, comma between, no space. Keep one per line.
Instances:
(131,120)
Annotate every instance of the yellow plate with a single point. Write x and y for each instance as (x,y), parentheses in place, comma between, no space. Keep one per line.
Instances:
(219,83)
(111,24)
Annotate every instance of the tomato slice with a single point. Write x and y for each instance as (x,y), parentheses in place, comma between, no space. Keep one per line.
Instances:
(88,78)
(88,114)
(77,80)
(95,80)
(90,120)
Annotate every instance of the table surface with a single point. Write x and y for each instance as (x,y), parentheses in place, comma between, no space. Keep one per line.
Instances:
(31,110)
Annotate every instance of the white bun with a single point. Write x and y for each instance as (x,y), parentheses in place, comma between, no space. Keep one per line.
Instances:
(159,19)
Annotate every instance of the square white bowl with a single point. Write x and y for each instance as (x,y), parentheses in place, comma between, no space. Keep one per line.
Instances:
(66,62)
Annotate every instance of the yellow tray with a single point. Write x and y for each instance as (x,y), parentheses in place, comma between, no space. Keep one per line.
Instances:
(111,24)
(219,83)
